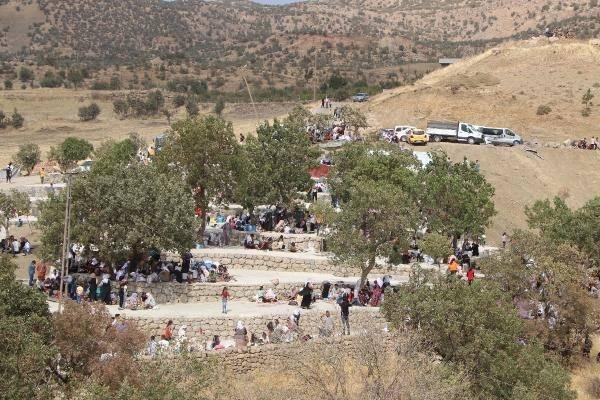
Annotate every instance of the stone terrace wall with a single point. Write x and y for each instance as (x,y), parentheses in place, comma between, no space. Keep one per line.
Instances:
(304,241)
(361,319)
(275,261)
(173,292)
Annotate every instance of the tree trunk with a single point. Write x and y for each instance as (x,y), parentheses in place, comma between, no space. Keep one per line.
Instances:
(365,270)
(202,204)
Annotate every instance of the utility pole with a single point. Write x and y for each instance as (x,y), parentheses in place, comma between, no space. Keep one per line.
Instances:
(315,78)
(249,92)
(66,239)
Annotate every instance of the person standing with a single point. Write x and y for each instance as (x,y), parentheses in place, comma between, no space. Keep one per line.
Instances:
(42,175)
(345,313)
(122,290)
(31,271)
(224,298)
(9,170)
(471,275)
(40,272)
(504,239)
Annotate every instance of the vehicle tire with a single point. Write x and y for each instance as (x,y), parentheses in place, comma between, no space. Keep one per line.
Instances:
(471,140)
(403,139)
(516,143)
(437,138)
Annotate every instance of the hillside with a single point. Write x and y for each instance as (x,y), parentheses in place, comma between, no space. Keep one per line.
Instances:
(504,86)
(367,40)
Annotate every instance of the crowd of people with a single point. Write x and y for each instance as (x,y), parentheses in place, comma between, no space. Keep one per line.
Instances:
(14,246)
(585,144)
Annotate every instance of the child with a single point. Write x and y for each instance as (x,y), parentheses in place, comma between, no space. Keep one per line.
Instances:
(224,297)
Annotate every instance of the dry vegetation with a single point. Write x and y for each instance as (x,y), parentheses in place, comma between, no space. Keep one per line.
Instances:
(367,39)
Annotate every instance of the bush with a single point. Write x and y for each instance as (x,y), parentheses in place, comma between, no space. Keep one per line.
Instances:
(17,120)
(543,109)
(28,156)
(219,107)
(51,80)
(191,106)
(121,107)
(593,387)
(179,100)
(3,120)
(8,85)
(25,74)
(89,113)
(70,151)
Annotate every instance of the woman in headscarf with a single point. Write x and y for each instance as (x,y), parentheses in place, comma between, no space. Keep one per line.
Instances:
(306,296)
(132,301)
(241,335)
(376,298)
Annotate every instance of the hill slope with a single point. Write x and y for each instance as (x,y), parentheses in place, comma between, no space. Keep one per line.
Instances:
(366,39)
(504,87)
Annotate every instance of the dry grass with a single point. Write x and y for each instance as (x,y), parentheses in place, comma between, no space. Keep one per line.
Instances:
(586,379)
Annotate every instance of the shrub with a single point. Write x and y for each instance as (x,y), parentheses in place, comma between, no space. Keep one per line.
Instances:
(543,109)
(71,150)
(89,113)
(219,107)
(17,120)
(3,120)
(25,74)
(51,80)
(8,85)
(121,107)
(593,387)
(191,106)
(179,100)
(28,156)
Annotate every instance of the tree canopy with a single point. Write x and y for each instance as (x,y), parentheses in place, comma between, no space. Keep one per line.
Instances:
(124,211)
(476,328)
(560,224)
(205,152)
(13,204)
(70,151)
(276,164)
(29,155)
(456,198)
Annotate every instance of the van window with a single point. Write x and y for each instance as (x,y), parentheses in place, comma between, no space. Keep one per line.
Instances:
(509,132)
(464,128)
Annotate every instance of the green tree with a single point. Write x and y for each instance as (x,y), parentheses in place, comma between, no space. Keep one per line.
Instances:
(115,210)
(51,80)
(191,106)
(560,272)
(3,120)
(456,198)
(70,151)
(586,100)
(17,120)
(206,153)
(8,85)
(277,165)
(476,328)
(219,106)
(13,204)
(89,113)
(121,108)
(558,223)
(25,337)
(436,246)
(375,221)
(155,101)
(353,118)
(25,74)
(28,156)
(75,76)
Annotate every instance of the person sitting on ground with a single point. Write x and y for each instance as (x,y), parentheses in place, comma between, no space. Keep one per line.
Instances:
(453,266)
(293,248)
(249,242)
(270,296)
(216,343)
(133,301)
(168,331)
(327,329)
(152,346)
(266,244)
(279,244)
(148,300)
(260,295)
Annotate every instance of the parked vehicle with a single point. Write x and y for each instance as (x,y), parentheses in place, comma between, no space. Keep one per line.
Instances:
(453,131)
(418,136)
(402,132)
(360,97)
(499,136)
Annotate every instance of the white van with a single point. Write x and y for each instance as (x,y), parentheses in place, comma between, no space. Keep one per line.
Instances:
(500,136)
